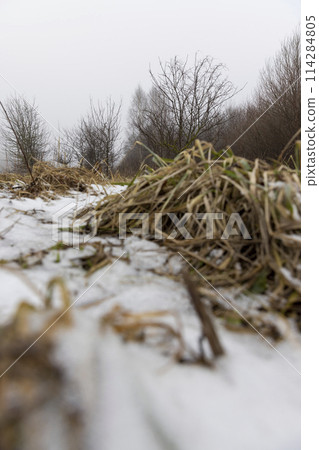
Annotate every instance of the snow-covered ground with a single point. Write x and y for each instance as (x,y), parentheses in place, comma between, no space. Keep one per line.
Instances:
(134,395)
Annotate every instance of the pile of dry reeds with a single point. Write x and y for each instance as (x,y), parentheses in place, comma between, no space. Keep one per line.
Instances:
(201,180)
(48,180)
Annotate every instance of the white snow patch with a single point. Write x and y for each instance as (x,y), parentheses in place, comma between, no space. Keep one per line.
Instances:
(135,397)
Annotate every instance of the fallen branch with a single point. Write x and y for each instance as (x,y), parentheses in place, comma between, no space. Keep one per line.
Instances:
(206,319)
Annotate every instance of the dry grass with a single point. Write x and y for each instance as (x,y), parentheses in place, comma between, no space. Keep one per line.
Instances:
(201,180)
(50,180)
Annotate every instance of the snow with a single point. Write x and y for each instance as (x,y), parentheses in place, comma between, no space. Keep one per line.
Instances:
(133,395)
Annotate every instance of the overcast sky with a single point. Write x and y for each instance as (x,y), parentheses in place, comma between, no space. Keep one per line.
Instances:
(62,52)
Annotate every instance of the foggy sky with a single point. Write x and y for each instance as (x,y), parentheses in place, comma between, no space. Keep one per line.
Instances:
(62,52)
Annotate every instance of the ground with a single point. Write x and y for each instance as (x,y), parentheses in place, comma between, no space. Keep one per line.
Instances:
(134,394)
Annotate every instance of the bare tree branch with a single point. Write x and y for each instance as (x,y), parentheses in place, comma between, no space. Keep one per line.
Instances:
(24,133)
(184,104)
(95,137)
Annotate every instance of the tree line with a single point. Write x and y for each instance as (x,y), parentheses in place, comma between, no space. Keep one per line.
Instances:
(188,100)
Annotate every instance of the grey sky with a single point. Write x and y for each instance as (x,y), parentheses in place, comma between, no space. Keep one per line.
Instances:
(62,52)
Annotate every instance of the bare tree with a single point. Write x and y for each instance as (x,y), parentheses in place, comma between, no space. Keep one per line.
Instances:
(275,107)
(95,138)
(62,150)
(280,86)
(25,137)
(184,104)
(280,83)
